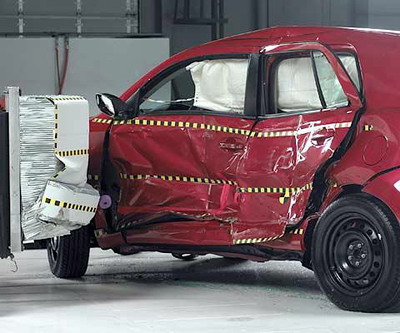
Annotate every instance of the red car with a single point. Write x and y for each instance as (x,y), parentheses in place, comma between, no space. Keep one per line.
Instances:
(279,144)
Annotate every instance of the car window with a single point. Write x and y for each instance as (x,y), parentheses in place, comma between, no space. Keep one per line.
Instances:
(332,91)
(211,85)
(306,82)
(350,64)
(295,86)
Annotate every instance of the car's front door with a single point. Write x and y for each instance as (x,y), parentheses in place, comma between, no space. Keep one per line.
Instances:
(166,170)
(312,103)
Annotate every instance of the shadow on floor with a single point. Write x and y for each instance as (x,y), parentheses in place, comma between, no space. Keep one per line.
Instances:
(112,282)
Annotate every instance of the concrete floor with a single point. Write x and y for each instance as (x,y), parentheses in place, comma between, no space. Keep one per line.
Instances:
(151,292)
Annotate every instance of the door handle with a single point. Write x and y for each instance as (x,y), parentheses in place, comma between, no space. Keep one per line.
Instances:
(321,136)
(231,146)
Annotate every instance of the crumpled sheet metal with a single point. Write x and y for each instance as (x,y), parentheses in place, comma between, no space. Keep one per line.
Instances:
(38,162)
(285,167)
(261,188)
(54,148)
(205,189)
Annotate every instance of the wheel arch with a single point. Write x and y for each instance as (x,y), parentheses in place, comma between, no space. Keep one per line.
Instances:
(375,189)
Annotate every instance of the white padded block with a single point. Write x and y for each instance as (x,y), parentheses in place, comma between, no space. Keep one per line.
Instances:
(68,204)
(72,138)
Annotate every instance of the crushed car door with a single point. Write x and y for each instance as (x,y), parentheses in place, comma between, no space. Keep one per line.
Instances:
(161,155)
(312,104)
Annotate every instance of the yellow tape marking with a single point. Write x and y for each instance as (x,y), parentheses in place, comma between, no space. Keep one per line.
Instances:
(219,128)
(297,231)
(102,121)
(67,205)
(68,153)
(286,192)
(257,240)
(186,179)
(93,177)
(67,98)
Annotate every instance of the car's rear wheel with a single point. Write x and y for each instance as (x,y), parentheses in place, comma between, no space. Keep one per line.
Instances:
(356,254)
(69,255)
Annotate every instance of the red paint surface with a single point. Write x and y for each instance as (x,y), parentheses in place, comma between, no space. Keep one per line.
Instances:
(387,188)
(269,162)
(375,149)
(177,151)
(284,162)
(188,233)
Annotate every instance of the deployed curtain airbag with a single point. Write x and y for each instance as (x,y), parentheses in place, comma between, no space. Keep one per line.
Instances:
(295,86)
(220,85)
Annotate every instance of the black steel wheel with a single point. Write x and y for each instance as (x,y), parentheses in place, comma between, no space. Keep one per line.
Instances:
(356,254)
(68,256)
(184,256)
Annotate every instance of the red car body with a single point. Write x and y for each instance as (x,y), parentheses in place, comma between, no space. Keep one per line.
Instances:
(254,186)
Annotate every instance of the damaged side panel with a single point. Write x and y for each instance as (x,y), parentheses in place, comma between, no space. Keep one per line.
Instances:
(312,103)
(255,175)
(178,164)
(277,171)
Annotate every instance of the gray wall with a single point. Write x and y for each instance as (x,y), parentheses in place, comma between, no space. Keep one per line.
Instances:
(95,65)
(94,8)
(240,13)
(242,17)
(384,14)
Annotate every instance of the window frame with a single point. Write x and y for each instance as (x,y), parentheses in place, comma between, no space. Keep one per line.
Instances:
(251,93)
(267,73)
(359,72)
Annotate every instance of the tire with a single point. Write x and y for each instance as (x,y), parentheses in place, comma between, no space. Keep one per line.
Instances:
(356,254)
(68,256)
(184,256)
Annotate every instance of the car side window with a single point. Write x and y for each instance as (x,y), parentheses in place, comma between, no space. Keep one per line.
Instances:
(295,86)
(332,92)
(349,62)
(209,85)
(305,82)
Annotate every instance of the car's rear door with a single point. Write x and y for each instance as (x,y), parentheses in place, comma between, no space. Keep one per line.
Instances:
(312,106)
(163,158)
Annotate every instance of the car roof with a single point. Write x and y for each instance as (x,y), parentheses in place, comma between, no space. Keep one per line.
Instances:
(277,35)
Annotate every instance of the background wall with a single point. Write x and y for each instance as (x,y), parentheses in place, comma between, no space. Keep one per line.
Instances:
(246,15)
(108,16)
(97,16)
(384,14)
(95,64)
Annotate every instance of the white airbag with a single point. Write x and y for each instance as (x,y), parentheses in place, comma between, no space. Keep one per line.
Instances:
(296,89)
(220,85)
